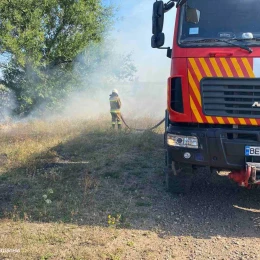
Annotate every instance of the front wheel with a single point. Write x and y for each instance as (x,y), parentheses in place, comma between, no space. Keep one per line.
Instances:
(178,176)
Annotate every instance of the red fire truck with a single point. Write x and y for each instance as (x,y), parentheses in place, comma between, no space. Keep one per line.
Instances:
(213,111)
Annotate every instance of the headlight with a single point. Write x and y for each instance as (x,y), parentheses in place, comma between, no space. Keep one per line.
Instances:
(183,141)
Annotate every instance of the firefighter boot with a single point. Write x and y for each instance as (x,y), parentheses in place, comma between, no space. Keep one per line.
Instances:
(113,126)
(119,127)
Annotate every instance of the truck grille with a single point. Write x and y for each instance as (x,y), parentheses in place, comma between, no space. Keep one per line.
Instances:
(231,97)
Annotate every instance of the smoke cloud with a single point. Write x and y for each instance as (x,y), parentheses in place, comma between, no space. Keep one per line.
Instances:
(143,95)
(7,103)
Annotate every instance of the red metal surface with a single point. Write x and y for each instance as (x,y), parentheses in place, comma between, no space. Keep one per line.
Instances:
(184,60)
(241,177)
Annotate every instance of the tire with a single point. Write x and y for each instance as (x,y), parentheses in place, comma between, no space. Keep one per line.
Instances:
(178,176)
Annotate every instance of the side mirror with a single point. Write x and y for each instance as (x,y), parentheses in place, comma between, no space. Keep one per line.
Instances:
(158,40)
(158,17)
(192,15)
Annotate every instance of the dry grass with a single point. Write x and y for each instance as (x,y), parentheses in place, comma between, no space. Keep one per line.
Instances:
(77,190)
(72,175)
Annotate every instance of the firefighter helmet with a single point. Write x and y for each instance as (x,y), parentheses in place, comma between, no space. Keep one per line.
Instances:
(115,91)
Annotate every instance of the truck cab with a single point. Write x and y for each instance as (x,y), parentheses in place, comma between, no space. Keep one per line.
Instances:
(213,106)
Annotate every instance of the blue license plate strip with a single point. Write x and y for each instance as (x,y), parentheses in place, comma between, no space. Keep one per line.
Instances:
(252,151)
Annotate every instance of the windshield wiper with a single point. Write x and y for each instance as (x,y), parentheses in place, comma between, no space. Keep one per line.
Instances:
(244,47)
(242,39)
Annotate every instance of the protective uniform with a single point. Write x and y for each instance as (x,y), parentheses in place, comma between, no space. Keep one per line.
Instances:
(115,105)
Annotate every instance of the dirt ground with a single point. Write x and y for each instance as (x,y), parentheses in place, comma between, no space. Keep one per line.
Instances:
(217,220)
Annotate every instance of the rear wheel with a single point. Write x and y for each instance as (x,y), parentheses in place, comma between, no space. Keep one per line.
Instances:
(178,176)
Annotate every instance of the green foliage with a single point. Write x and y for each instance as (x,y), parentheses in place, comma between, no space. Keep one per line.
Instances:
(50,31)
(42,40)
(38,87)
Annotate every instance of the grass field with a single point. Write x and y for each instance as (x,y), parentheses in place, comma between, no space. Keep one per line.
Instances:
(77,190)
(62,179)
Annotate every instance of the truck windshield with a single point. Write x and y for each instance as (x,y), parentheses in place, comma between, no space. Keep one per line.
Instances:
(232,20)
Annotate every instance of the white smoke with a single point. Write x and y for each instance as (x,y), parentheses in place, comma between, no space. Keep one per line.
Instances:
(139,99)
(146,94)
(7,103)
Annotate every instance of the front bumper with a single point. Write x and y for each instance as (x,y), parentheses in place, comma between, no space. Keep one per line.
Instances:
(219,148)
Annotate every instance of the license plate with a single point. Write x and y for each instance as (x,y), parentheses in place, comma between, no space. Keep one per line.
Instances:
(252,151)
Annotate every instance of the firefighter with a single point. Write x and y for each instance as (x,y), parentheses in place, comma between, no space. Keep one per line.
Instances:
(115,105)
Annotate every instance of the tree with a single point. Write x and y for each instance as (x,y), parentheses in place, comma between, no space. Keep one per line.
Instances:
(41,40)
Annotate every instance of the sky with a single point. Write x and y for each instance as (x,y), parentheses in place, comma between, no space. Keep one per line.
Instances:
(133,34)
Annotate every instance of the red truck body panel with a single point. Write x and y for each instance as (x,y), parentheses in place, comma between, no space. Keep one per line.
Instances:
(194,64)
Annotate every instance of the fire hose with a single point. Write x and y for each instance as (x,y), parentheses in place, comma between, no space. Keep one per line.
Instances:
(141,130)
